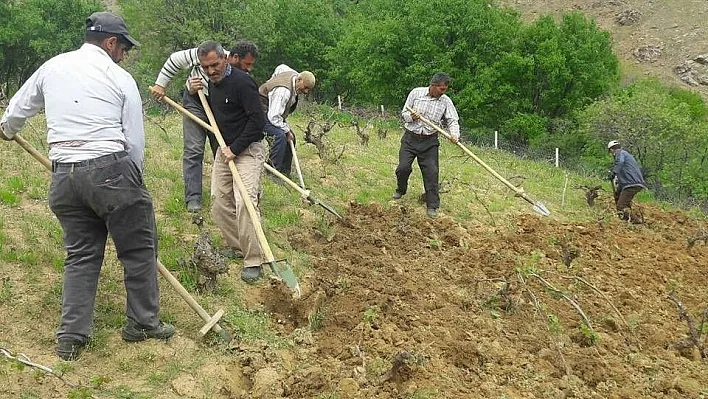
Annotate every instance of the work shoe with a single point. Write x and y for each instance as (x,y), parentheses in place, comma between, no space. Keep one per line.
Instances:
(231,253)
(194,206)
(432,212)
(134,332)
(69,348)
(397,195)
(251,274)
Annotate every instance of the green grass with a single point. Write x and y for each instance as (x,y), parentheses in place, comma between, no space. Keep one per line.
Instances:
(6,287)
(252,325)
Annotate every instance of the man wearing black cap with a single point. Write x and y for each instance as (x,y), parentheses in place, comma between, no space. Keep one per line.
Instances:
(96,144)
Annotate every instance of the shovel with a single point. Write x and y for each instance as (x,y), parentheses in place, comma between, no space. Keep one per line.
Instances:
(537,207)
(211,321)
(297,164)
(280,268)
(305,193)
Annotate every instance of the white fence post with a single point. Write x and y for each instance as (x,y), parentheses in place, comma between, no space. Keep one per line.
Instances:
(496,140)
(557,160)
(382,110)
(339,102)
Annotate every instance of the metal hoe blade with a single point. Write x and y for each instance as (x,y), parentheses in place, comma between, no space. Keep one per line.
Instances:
(541,209)
(328,208)
(286,274)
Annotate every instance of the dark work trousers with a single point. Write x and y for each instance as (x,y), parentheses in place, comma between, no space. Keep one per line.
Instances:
(195,138)
(623,200)
(280,156)
(425,148)
(91,199)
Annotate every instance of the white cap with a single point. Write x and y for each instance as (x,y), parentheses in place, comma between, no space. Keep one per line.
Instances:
(612,144)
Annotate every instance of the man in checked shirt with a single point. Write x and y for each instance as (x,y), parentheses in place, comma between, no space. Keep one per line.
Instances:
(242,56)
(421,141)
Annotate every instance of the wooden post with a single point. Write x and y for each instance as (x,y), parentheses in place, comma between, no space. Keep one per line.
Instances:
(382,110)
(496,140)
(339,102)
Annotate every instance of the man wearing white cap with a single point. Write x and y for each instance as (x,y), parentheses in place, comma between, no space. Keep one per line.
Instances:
(279,97)
(629,180)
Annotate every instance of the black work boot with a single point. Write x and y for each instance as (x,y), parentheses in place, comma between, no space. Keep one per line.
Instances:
(134,332)
(69,348)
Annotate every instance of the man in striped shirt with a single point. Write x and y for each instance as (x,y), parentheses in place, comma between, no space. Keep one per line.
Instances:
(242,56)
(279,97)
(421,141)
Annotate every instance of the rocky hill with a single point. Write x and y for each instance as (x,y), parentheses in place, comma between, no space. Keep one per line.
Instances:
(664,39)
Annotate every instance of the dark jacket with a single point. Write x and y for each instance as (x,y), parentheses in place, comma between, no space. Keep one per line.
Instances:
(237,110)
(627,170)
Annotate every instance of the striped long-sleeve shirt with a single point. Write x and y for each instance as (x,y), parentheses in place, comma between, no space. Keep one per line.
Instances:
(179,61)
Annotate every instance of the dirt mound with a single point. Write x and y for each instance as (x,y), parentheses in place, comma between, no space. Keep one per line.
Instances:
(406,306)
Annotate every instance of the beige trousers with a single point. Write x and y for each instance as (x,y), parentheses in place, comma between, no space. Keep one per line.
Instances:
(228,209)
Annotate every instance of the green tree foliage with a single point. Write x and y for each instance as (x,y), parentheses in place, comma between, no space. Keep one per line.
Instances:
(505,73)
(33,31)
(666,129)
(295,32)
(389,47)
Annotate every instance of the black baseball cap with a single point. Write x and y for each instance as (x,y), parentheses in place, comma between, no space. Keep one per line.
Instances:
(108,22)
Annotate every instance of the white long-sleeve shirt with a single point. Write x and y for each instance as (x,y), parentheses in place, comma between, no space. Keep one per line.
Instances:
(434,109)
(90,102)
(179,61)
(280,99)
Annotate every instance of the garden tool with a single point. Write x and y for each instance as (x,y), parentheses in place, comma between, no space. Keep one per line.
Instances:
(212,322)
(297,164)
(280,268)
(305,193)
(538,207)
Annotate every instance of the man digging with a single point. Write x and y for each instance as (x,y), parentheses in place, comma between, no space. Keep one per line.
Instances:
(629,181)
(96,141)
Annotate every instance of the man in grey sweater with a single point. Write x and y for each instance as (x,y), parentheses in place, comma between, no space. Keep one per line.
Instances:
(629,181)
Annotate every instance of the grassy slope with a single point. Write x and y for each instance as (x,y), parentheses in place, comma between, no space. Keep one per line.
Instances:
(31,255)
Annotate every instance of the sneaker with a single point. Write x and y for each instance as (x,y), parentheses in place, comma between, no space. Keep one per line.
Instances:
(194,206)
(432,212)
(69,348)
(397,195)
(134,332)
(251,274)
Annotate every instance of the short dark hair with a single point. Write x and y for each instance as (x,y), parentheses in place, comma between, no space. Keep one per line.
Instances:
(440,78)
(243,48)
(97,37)
(208,46)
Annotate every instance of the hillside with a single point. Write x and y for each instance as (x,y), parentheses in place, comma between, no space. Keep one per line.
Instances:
(651,37)
(487,301)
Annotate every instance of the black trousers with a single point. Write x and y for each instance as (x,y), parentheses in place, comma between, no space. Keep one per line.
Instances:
(425,148)
(92,199)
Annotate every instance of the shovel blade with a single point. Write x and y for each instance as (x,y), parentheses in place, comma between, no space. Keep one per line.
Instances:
(326,207)
(284,272)
(541,209)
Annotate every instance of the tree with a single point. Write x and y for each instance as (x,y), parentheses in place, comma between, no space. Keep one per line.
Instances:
(33,31)
(664,128)
(505,73)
